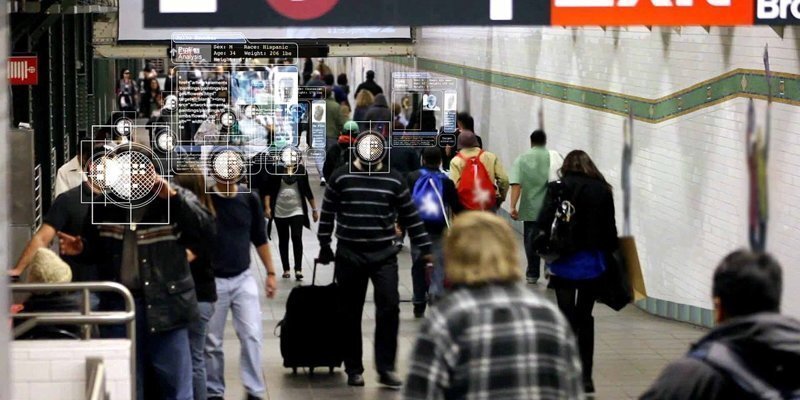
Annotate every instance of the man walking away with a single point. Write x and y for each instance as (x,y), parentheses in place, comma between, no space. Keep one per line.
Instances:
(370,85)
(479,176)
(240,222)
(465,122)
(334,121)
(339,154)
(753,353)
(529,176)
(363,204)
(435,197)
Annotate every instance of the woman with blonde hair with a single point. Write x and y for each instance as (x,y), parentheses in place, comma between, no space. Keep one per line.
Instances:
(521,341)
(364,101)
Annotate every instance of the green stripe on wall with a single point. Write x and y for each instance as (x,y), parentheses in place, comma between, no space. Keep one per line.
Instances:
(737,83)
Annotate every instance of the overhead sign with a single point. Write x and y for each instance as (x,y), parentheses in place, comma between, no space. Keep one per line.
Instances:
(250,13)
(132,27)
(652,12)
(23,70)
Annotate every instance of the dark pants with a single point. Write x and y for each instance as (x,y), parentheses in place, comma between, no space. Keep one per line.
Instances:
(419,279)
(167,353)
(290,228)
(530,230)
(353,275)
(577,304)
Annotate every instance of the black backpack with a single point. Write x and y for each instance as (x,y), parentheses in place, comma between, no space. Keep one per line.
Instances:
(556,232)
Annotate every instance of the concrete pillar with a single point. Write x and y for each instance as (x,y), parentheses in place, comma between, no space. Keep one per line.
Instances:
(5,257)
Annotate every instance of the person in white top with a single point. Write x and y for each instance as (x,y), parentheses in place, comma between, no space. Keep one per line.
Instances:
(69,176)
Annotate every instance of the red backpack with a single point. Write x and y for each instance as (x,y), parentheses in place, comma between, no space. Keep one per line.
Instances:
(476,189)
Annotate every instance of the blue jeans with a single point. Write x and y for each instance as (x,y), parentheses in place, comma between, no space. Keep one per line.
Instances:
(197,342)
(167,353)
(421,288)
(240,295)
(530,230)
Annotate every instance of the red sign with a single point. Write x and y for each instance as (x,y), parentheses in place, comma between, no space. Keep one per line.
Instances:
(23,70)
(652,12)
(302,10)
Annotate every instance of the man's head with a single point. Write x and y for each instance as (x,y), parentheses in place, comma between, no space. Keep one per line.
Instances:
(467,138)
(432,157)
(328,79)
(464,121)
(746,283)
(370,75)
(538,138)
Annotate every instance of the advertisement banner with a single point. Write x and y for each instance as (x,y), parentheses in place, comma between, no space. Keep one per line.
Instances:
(293,13)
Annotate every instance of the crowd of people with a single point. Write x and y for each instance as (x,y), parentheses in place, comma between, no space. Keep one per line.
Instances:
(186,259)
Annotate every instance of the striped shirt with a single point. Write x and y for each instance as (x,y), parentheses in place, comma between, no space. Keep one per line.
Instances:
(365,208)
(498,342)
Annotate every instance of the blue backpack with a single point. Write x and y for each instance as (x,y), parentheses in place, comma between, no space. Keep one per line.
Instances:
(427,196)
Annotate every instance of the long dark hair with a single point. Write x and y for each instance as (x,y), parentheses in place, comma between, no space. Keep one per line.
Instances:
(577,161)
(194,181)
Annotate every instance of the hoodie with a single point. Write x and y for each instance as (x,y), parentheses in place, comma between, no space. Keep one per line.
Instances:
(379,111)
(760,351)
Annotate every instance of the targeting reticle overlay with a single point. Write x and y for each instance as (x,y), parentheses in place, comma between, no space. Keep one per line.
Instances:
(371,148)
(237,104)
(124,173)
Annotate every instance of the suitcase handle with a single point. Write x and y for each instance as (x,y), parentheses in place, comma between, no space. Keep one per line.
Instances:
(314,272)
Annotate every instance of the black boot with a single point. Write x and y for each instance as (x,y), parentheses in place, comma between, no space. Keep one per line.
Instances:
(419,310)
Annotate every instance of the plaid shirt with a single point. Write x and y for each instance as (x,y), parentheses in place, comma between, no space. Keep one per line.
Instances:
(492,343)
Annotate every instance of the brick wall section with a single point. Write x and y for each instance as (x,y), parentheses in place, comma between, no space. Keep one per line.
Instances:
(56,369)
(690,194)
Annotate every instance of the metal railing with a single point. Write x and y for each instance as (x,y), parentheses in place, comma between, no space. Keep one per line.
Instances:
(86,317)
(96,383)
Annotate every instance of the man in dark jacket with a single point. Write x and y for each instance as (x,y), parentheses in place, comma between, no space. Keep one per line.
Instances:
(339,154)
(432,162)
(370,85)
(379,112)
(144,248)
(753,353)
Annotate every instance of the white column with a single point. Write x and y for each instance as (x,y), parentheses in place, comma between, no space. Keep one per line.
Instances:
(5,204)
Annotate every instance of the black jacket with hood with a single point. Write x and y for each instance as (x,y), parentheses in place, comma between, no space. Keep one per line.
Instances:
(167,229)
(761,351)
(380,111)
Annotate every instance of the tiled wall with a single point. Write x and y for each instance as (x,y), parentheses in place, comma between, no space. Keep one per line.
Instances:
(689,196)
(56,369)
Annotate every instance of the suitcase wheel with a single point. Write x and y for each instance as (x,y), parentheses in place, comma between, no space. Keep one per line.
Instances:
(330,370)
(311,371)
(294,371)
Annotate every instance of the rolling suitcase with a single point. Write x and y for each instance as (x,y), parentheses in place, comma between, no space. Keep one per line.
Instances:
(310,329)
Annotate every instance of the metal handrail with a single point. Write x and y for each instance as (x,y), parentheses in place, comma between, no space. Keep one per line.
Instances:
(86,317)
(96,384)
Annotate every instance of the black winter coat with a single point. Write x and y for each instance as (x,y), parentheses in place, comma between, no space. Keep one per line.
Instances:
(167,229)
(595,225)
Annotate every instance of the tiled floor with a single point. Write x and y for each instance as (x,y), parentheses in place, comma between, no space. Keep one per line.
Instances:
(631,346)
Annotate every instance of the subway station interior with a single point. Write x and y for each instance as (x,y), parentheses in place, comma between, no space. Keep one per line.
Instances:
(451,199)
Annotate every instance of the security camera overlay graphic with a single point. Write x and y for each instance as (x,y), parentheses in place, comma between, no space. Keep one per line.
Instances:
(238,110)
